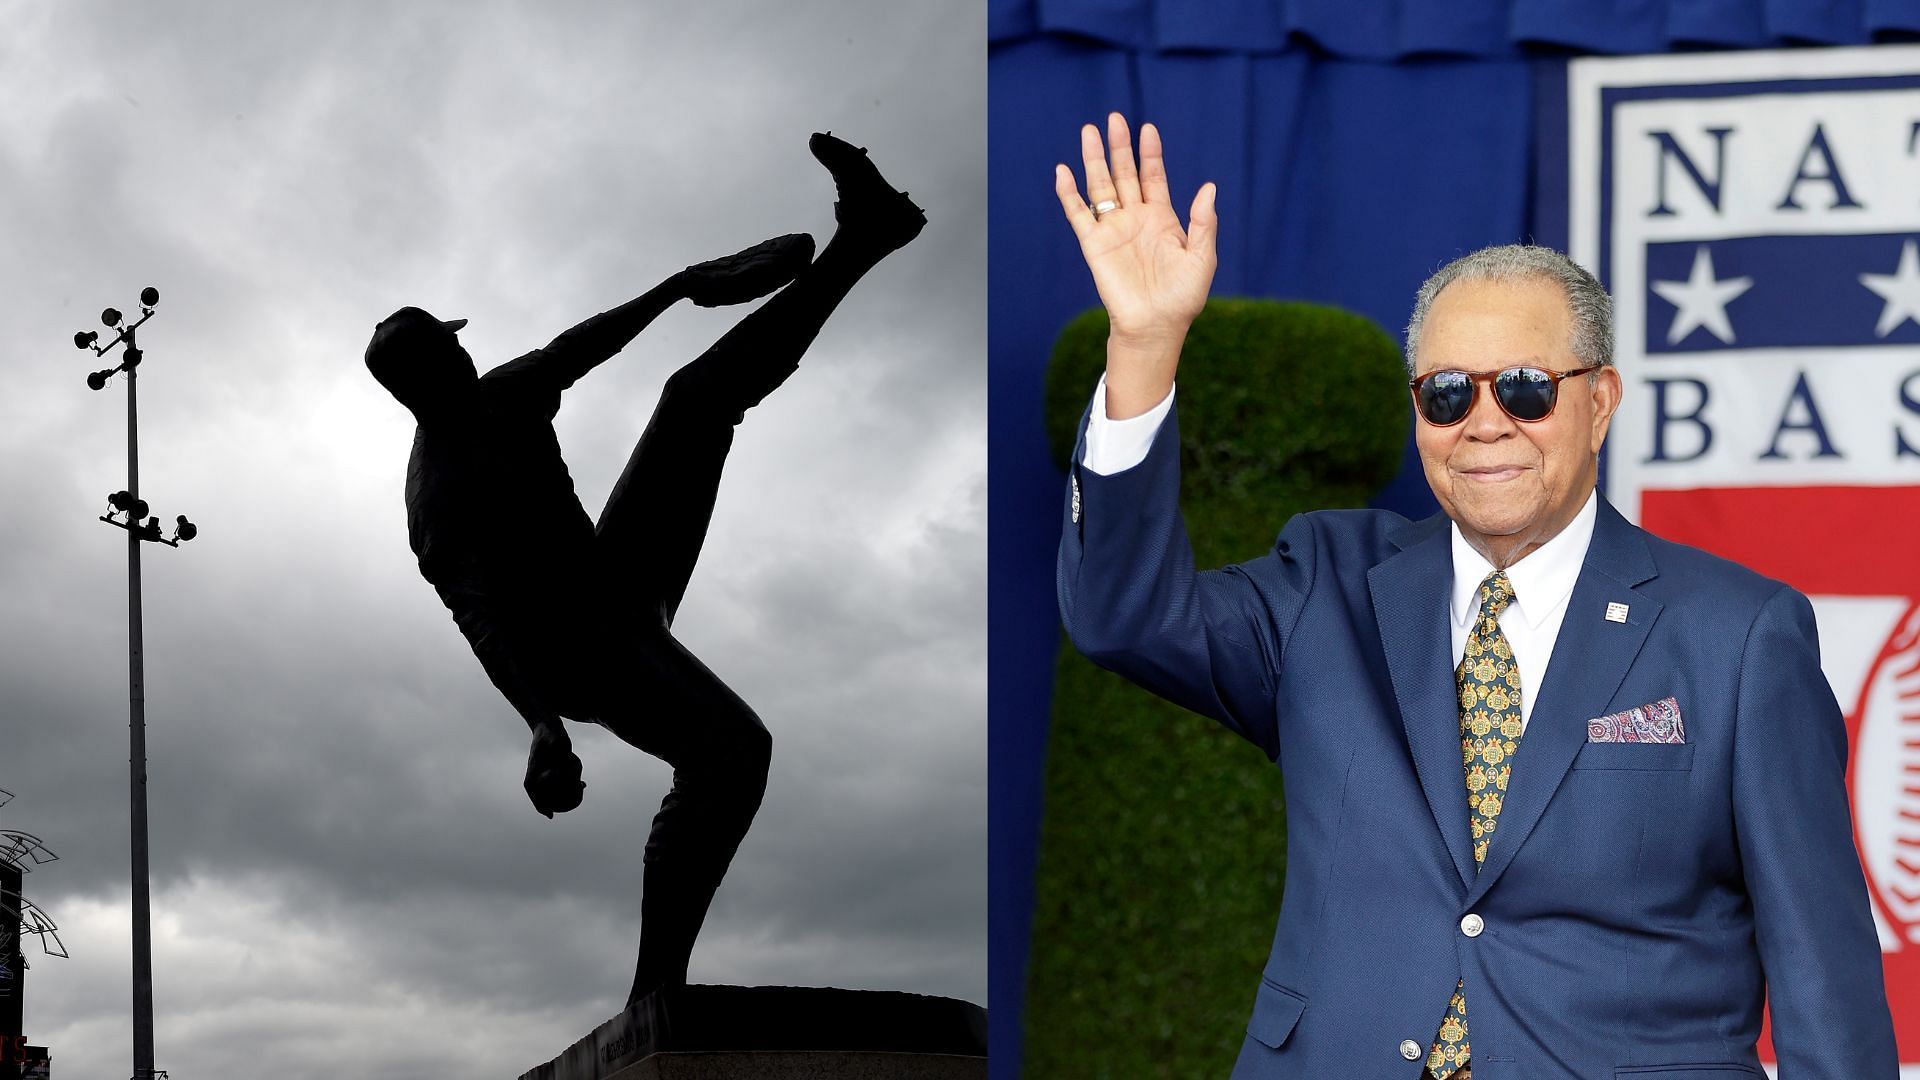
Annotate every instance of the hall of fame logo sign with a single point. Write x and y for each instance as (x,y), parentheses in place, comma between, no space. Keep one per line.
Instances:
(1756,217)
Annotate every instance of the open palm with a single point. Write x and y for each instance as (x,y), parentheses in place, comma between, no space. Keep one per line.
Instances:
(1152,275)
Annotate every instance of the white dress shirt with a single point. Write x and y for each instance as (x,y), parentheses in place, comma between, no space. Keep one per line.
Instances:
(1118,445)
(1542,580)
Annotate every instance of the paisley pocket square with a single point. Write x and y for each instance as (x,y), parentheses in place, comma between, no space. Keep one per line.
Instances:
(1654,722)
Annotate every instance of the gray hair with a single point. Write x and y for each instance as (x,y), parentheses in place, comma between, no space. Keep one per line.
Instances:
(1588,305)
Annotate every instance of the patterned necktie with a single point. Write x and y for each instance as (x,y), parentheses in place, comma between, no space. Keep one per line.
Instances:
(1489,684)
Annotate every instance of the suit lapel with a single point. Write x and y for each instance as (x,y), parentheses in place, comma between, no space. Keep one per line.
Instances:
(1590,658)
(1409,592)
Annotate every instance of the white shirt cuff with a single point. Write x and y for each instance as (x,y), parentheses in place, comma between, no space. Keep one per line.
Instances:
(1118,445)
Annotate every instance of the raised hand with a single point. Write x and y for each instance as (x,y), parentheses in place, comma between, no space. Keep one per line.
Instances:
(1152,274)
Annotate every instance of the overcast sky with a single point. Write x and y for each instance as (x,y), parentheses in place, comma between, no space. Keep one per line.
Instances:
(347,878)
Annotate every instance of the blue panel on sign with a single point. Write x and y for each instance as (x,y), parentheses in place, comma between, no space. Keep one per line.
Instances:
(1759,292)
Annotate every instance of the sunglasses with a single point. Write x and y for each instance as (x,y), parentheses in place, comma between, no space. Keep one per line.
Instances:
(1444,398)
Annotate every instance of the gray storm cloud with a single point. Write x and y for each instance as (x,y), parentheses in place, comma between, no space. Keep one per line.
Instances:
(344,864)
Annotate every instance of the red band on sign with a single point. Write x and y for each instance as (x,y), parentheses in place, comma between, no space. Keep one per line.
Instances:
(1832,541)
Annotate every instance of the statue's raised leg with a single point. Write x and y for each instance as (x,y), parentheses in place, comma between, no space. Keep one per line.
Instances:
(656,519)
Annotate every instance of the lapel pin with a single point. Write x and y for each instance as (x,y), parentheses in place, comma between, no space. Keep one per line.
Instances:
(1617,612)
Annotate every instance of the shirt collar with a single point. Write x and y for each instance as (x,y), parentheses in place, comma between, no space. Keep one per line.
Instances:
(1542,579)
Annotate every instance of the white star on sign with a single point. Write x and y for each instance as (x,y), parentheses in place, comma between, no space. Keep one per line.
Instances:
(1900,289)
(1701,300)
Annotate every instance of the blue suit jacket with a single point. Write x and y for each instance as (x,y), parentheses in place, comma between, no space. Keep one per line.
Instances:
(1638,899)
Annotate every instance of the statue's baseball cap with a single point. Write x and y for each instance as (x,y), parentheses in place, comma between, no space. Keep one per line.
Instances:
(412,320)
(399,334)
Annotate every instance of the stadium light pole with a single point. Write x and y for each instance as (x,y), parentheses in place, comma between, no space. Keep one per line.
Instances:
(134,508)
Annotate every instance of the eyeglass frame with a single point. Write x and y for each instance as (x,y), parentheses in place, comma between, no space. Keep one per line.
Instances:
(1475,378)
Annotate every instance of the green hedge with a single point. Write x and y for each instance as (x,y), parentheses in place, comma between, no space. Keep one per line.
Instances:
(1163,843)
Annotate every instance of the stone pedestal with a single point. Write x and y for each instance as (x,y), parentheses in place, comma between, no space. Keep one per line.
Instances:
(781,1033)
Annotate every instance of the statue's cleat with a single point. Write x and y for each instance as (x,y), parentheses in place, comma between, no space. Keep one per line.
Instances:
(750,274)
(869,209)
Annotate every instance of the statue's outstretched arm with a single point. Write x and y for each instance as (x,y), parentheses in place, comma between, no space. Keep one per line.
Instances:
(732,279)
(586,346)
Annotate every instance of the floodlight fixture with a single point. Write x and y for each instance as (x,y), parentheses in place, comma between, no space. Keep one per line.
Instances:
(85,338)
(133,355)
(111,317)
(184,530)
(98,380)
(149,296)
(123,502)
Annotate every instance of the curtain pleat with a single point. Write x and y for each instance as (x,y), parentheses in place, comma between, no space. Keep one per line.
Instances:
(1400,29)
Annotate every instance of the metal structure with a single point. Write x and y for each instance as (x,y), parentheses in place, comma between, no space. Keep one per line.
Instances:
(17,850)
(20,852)
(127,502)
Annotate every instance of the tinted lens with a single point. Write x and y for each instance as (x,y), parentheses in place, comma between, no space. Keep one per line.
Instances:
(1445,398)
(1526,393)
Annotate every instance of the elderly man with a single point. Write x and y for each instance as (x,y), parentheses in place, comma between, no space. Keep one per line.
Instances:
(1564,800)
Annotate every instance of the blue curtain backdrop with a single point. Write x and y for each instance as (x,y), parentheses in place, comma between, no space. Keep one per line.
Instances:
(1357,144)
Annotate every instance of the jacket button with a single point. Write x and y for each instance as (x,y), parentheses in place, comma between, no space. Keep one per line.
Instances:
(1410,1050)
(1472,925)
